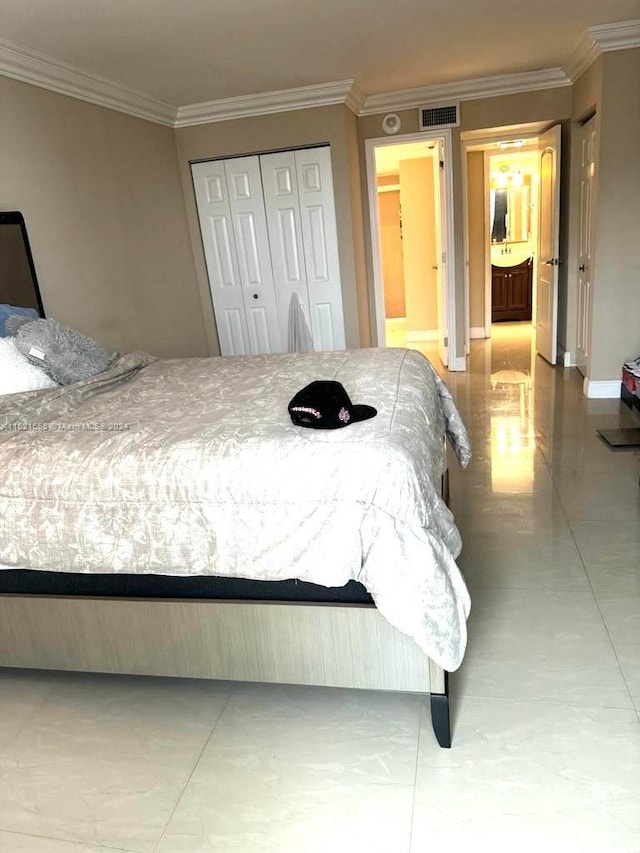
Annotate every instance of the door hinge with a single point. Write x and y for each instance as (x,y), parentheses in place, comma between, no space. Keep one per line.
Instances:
(446,341)
(444,258)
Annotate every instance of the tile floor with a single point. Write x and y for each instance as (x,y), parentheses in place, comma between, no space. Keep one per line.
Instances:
(546,753)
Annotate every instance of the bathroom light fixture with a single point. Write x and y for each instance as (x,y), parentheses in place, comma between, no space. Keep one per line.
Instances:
(511,143)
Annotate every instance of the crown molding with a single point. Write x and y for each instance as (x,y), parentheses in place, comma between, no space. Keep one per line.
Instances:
(467,90)
(583,56)
(355,99)
(622,35)
(603,38)
(27,66)
(284,100)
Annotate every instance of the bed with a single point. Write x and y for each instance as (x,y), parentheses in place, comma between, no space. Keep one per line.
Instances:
(167,518)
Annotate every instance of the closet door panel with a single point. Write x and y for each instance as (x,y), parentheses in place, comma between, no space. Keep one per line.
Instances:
(320,241)
(254,257)
(216,227)
(280,185)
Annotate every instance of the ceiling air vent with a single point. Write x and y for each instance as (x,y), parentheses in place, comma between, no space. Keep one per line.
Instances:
(438,115)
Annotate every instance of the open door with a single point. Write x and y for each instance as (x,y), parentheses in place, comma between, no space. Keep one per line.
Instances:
(548,245)
(439,195)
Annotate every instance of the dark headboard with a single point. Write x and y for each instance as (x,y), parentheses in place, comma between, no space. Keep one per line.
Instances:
(18,280)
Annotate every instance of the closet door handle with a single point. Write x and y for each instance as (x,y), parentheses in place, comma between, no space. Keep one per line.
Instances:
(255,296)
(581,267)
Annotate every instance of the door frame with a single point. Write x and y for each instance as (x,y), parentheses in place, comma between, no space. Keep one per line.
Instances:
(491,138)
(445,136)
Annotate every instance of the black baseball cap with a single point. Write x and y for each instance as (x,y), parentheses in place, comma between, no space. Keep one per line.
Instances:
(324,404)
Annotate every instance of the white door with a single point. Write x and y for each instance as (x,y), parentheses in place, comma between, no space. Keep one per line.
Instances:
(244,183)
(439,190)
(216,226)
(320,241)
(548,245)
(585,244)
(280,186)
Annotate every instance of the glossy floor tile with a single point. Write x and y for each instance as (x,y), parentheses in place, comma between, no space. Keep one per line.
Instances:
(104,760)
(545,708)
(532,777)
(541,645)
(12,842)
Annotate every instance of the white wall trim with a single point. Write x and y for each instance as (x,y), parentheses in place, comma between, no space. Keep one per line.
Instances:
(620,35)
(457,364)
(583,56)
(466,90)
(284,100)
(27,66)
(355,98)
(422,335)
(564,357)
(476,332)
(601,389)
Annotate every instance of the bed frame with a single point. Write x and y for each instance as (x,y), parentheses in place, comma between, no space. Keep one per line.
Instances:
(338,645)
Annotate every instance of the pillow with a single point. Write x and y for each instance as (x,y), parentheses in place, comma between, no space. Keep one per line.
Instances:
(66,355)
(7,311)
(17,374)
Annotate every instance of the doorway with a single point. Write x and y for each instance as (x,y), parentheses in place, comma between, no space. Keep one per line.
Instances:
(511,201)
(410,201)
(502,190)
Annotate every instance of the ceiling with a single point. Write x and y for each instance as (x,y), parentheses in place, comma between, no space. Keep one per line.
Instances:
(188,51)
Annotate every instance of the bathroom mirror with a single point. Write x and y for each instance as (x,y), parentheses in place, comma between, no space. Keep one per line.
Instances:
(511,212)
(18,280)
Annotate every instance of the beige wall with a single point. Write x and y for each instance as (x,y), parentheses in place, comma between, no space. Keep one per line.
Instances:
(616,307)
(101,196)
(335,125)
(419,243)
(477,237)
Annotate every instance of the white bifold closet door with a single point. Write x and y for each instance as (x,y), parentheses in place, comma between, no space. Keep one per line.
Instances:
(268,230)
(236,248)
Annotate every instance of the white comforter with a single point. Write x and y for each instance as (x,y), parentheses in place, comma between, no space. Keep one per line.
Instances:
(209,476)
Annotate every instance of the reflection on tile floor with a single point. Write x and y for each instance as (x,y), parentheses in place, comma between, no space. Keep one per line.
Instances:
(546,751)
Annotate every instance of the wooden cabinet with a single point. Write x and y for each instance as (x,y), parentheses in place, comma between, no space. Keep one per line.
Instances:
(511,292)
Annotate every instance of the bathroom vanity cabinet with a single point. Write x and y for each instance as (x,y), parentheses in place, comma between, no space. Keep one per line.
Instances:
(511,289)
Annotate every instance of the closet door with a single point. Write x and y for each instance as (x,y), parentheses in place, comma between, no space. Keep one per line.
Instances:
(320,241)
(280,185)
(244,182)
(216,226)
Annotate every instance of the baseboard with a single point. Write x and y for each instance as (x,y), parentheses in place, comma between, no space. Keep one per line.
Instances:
(477,332)
(422,335)
(564,357)
(601,389)
(457,363)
